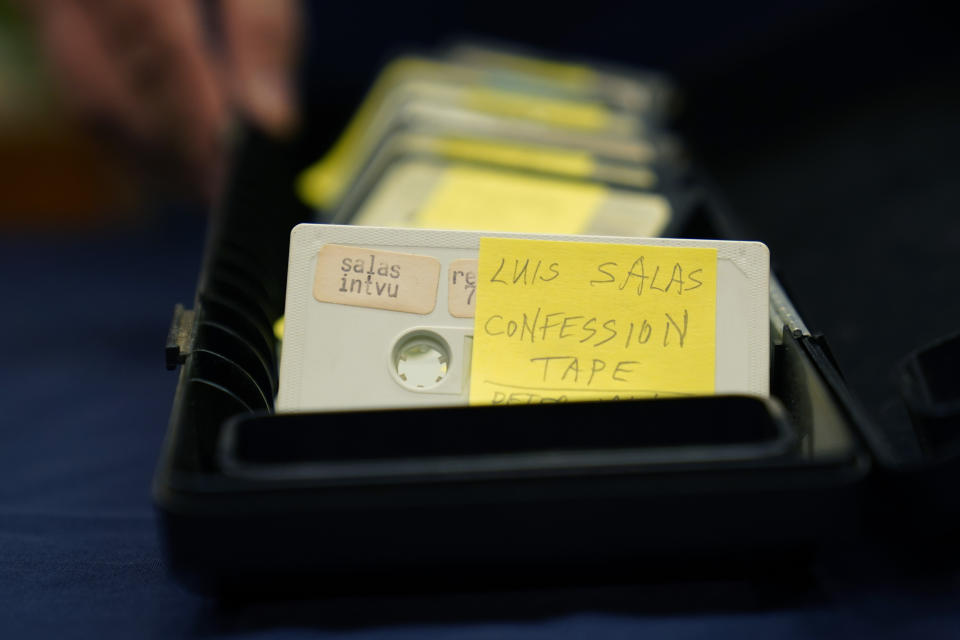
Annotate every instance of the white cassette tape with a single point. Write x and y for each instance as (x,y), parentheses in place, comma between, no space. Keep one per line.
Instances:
(383,317)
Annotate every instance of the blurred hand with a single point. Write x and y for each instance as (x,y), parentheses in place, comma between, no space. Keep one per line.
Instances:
(168,75)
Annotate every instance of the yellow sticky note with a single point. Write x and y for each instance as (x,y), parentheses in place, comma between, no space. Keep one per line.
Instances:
(565,321)
(479,198)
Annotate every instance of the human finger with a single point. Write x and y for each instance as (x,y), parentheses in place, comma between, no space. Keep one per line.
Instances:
(262,41)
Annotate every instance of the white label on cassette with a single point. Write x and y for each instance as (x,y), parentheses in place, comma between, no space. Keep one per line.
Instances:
(355,350)
(365,277)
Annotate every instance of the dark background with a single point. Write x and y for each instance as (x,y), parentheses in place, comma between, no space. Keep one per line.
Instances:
(829,130)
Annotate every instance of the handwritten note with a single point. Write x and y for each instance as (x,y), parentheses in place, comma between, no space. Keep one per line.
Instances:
(565,321)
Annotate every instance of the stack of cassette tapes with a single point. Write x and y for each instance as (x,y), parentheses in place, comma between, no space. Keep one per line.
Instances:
(480,143)
(483,138)
(483,141)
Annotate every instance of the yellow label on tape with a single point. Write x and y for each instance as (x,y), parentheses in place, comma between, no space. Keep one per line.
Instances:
(565,321)
(564,162)
(571,114)
(475,198)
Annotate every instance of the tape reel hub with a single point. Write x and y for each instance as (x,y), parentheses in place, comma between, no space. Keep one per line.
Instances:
(421,360)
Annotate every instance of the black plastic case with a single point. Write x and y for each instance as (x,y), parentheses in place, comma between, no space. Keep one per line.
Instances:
(252,501)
